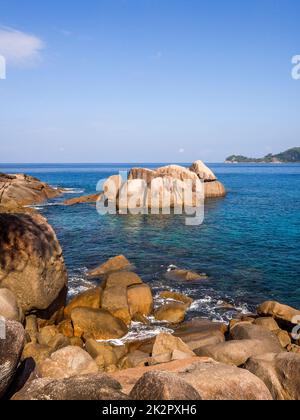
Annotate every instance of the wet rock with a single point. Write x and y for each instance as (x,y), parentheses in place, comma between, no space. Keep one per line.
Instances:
(90,388)
(31,263)
(184,275)
(173,313)
(97,324)
(93,198)
(179,297)
(11,347)
(67,362)
(214,189)
(119,263)
(89,299)
(9,308)
(163,386)
(280,373)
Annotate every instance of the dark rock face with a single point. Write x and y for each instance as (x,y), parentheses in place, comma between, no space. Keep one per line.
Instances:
(24,190)
(164,386)
(11,348)
(84,388)
(31,263)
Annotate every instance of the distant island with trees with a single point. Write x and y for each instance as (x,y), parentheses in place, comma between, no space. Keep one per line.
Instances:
(289,156)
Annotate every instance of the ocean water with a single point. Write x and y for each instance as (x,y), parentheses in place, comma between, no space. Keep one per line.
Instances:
(248,243)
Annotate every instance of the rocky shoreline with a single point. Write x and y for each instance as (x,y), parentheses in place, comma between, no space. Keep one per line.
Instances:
(59,350)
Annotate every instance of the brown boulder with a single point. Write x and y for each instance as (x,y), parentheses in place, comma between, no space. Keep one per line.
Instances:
(9,308)
(202,171)
(114,300)
(176,172)
(214,189)
(31,328)
(280,373)
(167,348)
(216,381)
(282,313)
(163,386)
(184,275)
(246,331)
(37,352)
(142,173)
(173,313)
(179,297)
(98,324)
(201,333)
(110,354)
(46,334)
(93,198)
(268,323)
(119,263)
(78,388)
(140,300)
(123,278)
(135,359)
(31,263)
(67,362)
(283,337)
(11,347)
(89,299)
(24,190)
(66,328)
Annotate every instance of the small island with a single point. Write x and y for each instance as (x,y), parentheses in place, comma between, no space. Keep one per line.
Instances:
(289,156)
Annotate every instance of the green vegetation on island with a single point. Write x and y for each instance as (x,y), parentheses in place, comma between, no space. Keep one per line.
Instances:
(289,156)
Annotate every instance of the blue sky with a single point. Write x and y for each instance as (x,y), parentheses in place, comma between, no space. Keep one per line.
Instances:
(147,80)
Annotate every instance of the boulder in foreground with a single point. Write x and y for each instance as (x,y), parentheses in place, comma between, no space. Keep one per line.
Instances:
(82,388)
(281,313)
(114,264)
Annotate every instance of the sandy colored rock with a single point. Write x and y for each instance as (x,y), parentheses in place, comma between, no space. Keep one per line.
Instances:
(11,347)
(76,341)
(280,312)
(24,190)
(163,386)
(109,353)
(46,334)
(31,328)
(237,352)
(59,341)
(114,264)
(268,323)
(78,388)
(184,275)
(135,359)
(140,300)
(283,337)
(84,199)
(179,297)
(142,173)
(37,352)
(89,299)
(9,308)
(201,333)
(202,171)
(176,172)
(293,348)
(255,332)
(67,362)
(214,189)
(98,324)
(173,313)
(66,328)
(125,279)
(216,381)
(114,300)
(280,373)
(166,348)
(31,263)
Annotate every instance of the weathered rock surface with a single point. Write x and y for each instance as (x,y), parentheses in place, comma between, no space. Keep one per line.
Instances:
(10,352)
(98,324)
(114,300)
(9,308)
(83,388)
(173,313)
(214,189)
(140,300)
(246,331)
(216,381)
(202,171)
(164,386)
(123,278)
(142,173)
(67,362)
(84,199)
(24,190)
(268,323)
(280,373)
(167,348)
(119,263)
(31,263)
(105,354)
(37,352)
(282,313)
(89,299)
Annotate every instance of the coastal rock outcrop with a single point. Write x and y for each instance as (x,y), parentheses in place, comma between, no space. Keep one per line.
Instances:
(11,347)
(89,299)
(9,308)
(280,373)
(167,348)
(283,314)
(31,263)
(164,386)
(202,171)
(78,388)
(85,199)
(24,190)
(118,263)
(173,313)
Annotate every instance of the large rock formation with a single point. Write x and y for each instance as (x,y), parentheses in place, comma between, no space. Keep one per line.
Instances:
(11,346)
(24,190)
(31,263)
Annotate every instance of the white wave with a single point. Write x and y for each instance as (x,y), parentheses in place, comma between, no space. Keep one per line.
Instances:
(73,191)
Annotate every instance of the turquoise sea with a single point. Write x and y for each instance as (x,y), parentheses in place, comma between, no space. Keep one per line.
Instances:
(248,244)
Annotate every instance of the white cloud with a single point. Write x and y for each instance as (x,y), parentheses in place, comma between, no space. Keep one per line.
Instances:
(19,48)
